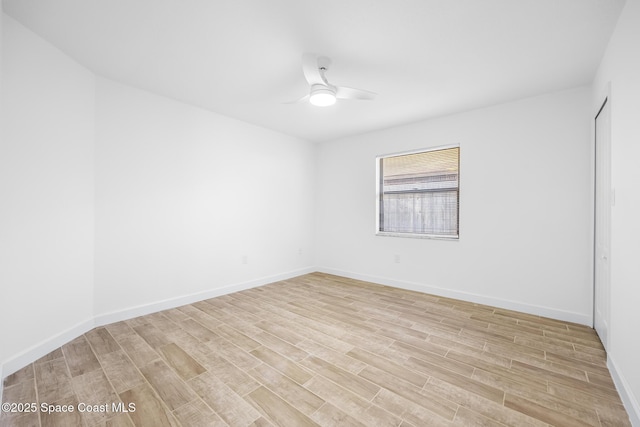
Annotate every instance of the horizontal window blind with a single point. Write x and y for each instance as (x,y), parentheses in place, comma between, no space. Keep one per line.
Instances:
(419,193)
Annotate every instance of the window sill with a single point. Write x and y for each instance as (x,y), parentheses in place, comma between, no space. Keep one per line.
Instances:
(418,236)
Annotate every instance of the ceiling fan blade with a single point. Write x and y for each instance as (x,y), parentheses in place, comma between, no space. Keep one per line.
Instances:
(343,92)
(299,100)
(311,69)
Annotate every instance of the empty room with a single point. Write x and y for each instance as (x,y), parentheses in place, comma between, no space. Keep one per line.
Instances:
(295,213)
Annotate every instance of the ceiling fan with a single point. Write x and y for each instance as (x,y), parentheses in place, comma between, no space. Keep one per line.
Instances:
(321,92)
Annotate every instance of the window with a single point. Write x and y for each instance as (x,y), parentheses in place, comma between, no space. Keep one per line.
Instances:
(418,193)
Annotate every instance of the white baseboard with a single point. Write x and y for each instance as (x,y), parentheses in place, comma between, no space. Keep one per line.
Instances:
(141,310)
(566,316)
(43,348)
(629,400)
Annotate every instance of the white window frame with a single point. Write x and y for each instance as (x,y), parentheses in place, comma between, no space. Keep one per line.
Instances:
(379,158)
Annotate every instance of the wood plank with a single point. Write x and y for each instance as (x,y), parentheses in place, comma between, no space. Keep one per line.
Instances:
(138,350)
(53,381)
(80,357)
(198,414)
(118,420)
(121,371)
(541,413)
(55,354)
(293,352)
(149,410)
(233,354)
(296,395)
(412,413)
(484,407)
(237,338)
(350,403)
(337,358)
(387,365)
(93,388)
(119,330)
(469,384)
(358,385)
(19,376)
(277,410)
(231,407)
(61,418)
(20,392)
(199,331)
(431,402)
(329,415)
(282,364)
(180,361)
(171,389)
(101,341)
(152,335)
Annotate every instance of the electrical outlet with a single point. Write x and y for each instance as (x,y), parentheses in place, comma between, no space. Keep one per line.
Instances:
(397,258)
(245,259)
(299,251)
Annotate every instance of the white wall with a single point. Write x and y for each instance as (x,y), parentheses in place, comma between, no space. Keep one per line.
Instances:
(169,198)
(2,300)
(525,208)
(621,68)
(183,194)
(46,195)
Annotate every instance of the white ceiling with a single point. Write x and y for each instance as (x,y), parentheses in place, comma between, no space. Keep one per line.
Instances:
(242,58)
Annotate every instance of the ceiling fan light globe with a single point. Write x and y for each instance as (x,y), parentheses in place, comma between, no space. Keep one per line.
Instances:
(322,97)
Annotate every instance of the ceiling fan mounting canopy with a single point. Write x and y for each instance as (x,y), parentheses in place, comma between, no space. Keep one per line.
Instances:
(324,63)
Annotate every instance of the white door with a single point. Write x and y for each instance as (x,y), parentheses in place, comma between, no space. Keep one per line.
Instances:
(602,271)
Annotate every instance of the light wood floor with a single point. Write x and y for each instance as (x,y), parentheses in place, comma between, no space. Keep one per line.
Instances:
(330,351)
